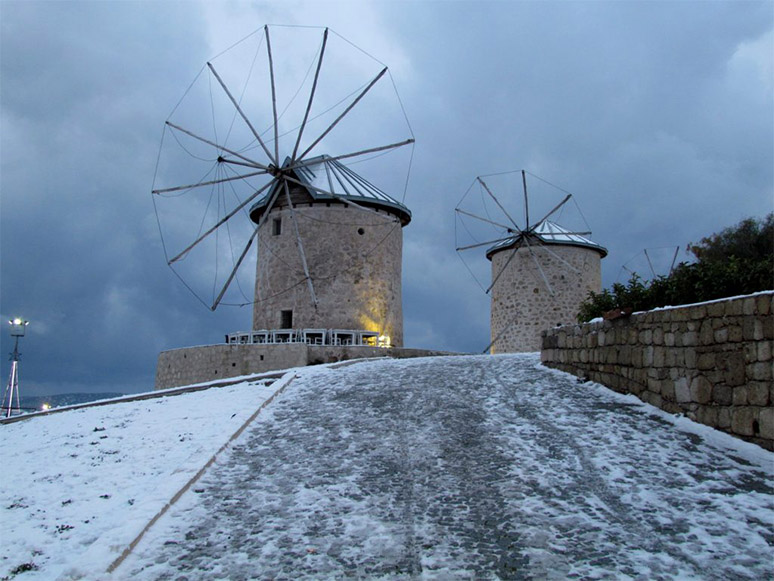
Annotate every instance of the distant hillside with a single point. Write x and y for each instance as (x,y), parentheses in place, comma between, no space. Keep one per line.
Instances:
(35,402)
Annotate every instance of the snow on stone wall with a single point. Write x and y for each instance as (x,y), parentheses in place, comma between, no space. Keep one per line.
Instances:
(522,307)
(711,361)
(354,259)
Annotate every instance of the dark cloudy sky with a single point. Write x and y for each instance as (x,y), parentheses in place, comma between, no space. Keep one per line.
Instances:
(658,116)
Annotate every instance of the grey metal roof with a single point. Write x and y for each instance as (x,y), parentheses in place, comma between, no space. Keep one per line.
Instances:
(548,233)
(324,176)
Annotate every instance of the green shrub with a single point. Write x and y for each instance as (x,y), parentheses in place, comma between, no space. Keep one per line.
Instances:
(737,261)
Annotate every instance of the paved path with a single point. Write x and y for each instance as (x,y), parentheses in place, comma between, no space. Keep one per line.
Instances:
(468,468)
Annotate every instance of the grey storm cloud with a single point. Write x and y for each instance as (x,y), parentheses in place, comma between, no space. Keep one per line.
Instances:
(657,116)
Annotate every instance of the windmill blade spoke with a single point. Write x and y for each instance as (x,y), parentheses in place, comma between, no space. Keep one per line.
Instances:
(241,163)
(466,213)
(556,208)
(241,113)
(311,95)
(559,235)
(300,245)
(209,183)
(273,97)
(478,245)
(526,199)
(358,153)
(254,163)
(502,270)
(344,113)
(650,264)
(234,270)
(540,268)
(221,222)
(674,258)
(499,205)
(559,258)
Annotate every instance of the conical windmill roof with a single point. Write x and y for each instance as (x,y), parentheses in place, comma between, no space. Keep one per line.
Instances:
(547,232)
(327,179)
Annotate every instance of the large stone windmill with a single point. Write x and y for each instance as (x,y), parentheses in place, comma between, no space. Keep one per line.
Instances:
(273,159)
(329,254)
(540,273)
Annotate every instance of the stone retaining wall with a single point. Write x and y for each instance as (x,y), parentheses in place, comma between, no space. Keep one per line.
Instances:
(711,361)
(211,362)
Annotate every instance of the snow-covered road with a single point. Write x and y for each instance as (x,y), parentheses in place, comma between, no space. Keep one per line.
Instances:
(468,468)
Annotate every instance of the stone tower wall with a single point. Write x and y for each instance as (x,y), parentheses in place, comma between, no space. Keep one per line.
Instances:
(354,259)
(522,307)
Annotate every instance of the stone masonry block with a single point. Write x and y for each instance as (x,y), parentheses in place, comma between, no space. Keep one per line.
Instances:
(766,421)
(701,389)
(659,356)
(707,415)
(763,304)
(739,396)
(651,398)
(723,394)
(748,306)
(760,371)
(668,390)
(758,394)
(706,333)
(733,366)
(767,327)
(724,418)
(682,390)
(735,333)
(716,309)
(690,358)
(706,361)
(742,419)
(764,349)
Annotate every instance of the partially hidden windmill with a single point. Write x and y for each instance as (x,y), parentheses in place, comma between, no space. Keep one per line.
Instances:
(256,159)
(540,272)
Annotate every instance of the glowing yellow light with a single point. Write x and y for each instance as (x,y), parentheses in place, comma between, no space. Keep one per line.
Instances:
(384,341)
(17,321)
(45,406)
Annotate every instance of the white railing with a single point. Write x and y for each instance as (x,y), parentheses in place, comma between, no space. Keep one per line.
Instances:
(339,337)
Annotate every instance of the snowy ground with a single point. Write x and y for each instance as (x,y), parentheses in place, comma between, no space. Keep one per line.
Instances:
(460,468)
(78,486)
(446,468)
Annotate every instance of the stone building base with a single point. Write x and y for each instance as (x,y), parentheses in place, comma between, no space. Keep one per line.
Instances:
(191,365)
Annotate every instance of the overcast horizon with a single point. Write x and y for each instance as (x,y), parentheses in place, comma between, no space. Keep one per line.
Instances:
(657,116)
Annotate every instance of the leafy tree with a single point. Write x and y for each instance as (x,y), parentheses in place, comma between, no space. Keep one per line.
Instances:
(736,261)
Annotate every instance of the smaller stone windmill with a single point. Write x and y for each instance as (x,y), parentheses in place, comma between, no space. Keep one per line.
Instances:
(541,273)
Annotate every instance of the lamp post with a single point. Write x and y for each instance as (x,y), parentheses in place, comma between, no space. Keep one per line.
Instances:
(18,327)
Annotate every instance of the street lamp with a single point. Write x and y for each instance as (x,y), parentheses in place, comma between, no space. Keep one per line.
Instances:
(18,327)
